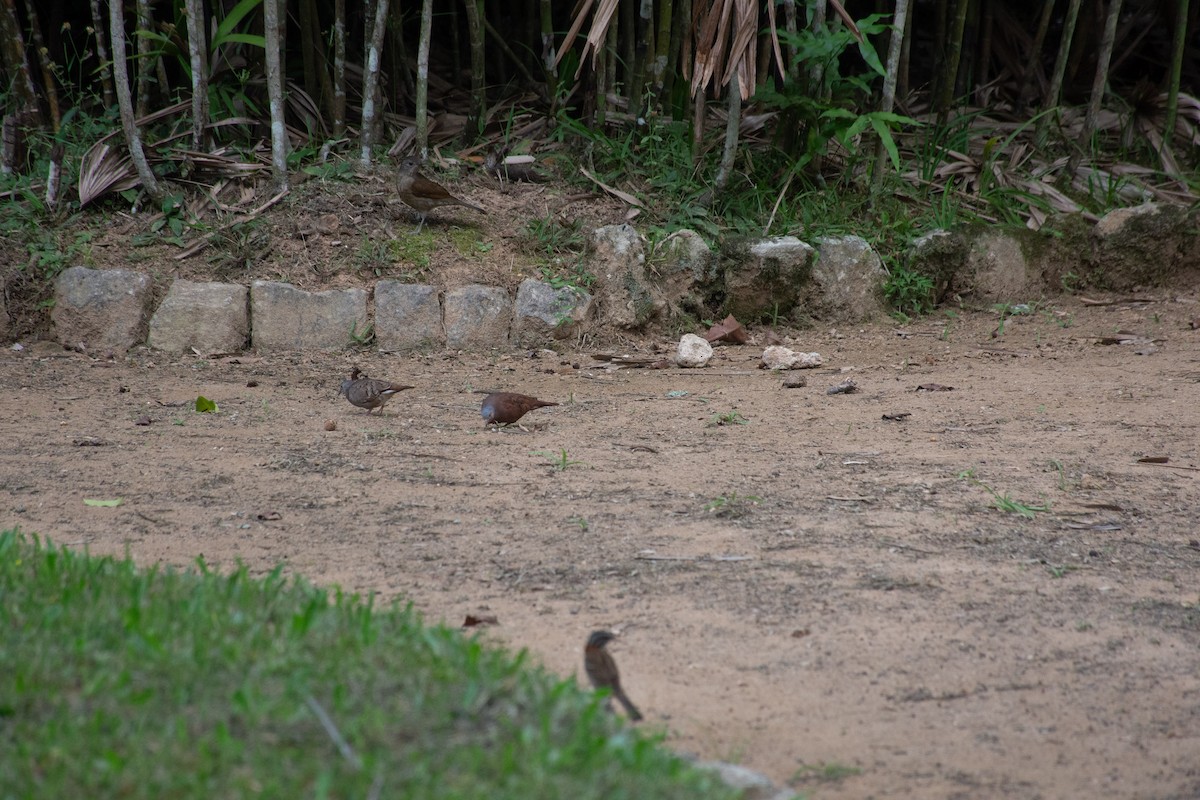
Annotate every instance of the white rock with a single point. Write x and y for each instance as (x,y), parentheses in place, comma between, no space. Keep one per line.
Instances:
(777,357)
(693,351)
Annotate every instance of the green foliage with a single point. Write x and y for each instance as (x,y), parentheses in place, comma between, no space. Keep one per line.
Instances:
(364,337)
(49,257)
(205,406)
(231,89)
(732,504)
(1005,502)
(121,682)
(560,461)
(728,418)
(559,247)
(821,104)
(172,216)
(909,292)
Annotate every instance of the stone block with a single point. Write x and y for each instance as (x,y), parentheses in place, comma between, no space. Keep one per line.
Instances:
(848,279)
(477,317)
(408,316)
(286,318)
(100,310)
(208,317)
(543,312)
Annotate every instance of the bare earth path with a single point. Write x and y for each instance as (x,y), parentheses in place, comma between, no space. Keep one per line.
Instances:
(816,593)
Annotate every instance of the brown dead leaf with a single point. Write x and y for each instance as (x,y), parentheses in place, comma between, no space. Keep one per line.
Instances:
(1153,460)
(142,420)
(474,621)
(727,330)
(268,516)
(934,387)
(899,416)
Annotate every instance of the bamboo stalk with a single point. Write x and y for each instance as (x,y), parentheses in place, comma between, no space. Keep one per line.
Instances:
(370,112)
(272,35)
(789,25)
(475,30)
(133,136)
(675,46)
(625,39)
(888,94)
(641,56)
(549,62)
(1177,51)
(422,110)
(49,85)
(734,121)
(949,75)
(507,51)
(1035,52)
(1099,82)
(1054,91)
(98,29)
(16,64)
(339,69)
(662,50)
(198,57)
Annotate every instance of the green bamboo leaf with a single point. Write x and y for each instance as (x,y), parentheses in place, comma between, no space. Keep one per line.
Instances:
(231,20)
(104,503)
(205,406)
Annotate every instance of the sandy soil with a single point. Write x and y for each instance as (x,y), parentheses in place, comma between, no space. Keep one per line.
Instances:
(818,593)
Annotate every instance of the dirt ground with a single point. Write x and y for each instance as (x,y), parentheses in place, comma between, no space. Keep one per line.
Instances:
(809,589)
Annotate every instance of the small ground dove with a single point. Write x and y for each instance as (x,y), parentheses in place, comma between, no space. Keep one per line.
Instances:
(367,392)
(505,408)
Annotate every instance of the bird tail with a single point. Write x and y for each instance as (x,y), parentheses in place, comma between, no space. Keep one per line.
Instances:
(628,705)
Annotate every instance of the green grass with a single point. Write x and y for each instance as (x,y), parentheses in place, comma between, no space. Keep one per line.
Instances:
(732,504)
(1004,501)
(560,460)
(121,682)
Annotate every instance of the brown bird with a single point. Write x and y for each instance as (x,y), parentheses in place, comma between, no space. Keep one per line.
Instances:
(505,408)
(602,670)
(422,194)
(367,392)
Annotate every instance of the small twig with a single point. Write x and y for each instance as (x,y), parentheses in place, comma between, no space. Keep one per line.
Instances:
(1168,466)
(778,200)
(909,547)
(431,455)
(200,244)
(656,557)
(645,448)
(342,745)
(1087,301)
(628,198)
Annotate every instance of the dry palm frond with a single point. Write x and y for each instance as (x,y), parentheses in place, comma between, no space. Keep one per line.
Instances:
(726,44)
(103,170)
(596,34)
